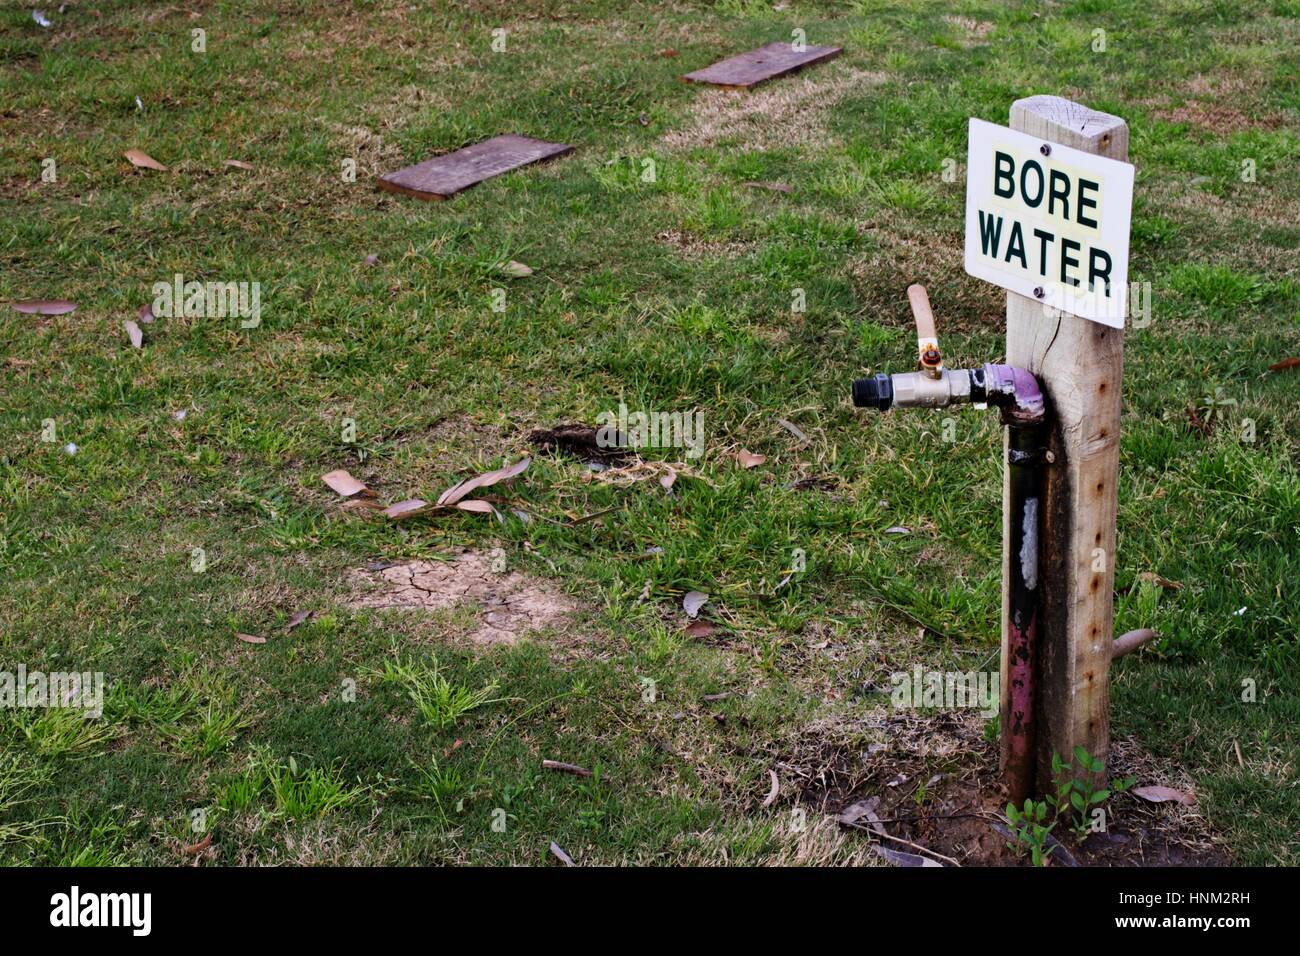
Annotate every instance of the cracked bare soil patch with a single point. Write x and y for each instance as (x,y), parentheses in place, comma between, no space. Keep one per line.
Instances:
(509,605)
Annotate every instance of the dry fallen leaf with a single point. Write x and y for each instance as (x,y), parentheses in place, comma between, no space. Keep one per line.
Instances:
(45,306)
(1157,794)
(145,315)
(792,428)
(560,855)
(563,767)
(473,504)
(1153,578)
(405,509)
(193,849)
(250,638)
(898,529)
(297,619)
(899,858)
(698,629)
(862,809)
(668,478)
(748,459)
(516,270)
(458,491)
(693,601)
(134,334)
(344,484)
(142,160)
(774,187)
(372,259)
(775,789)
(239,164)
(1286,363)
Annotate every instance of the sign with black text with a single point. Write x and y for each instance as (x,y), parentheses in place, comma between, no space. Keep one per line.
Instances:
(1048,222)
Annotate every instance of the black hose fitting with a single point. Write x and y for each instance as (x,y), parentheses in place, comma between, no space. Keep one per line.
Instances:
(876,392)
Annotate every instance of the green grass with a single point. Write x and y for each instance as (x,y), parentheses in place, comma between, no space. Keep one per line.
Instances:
(336,742)
(20,777)
(441,702)
(58,732)
(305,794)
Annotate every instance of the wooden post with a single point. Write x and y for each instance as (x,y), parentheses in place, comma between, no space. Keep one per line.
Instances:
(1079,365)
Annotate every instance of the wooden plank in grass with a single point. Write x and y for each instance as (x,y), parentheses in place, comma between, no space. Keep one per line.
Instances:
(446,175)
(765,63)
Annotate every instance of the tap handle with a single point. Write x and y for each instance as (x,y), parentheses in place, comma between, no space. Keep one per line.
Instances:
(927,340)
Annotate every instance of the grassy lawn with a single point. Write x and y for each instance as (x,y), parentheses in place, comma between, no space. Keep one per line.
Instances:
(661,280)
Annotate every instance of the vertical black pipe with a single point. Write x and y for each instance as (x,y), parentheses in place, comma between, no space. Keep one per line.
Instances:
(1025,473)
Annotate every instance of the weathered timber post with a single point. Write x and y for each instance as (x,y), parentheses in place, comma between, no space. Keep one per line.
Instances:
(1079,365)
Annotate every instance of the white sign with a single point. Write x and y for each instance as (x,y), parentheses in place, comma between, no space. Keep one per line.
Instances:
(1049,222)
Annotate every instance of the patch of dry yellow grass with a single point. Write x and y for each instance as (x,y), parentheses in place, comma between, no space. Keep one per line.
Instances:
(792,111)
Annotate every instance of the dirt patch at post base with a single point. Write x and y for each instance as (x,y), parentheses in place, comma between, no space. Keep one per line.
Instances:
(933,782)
